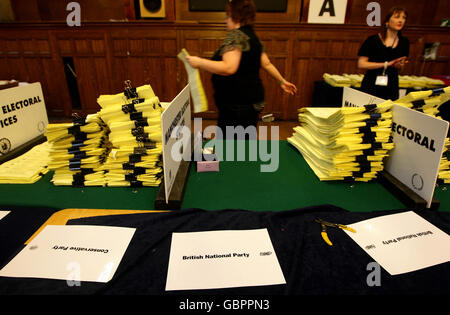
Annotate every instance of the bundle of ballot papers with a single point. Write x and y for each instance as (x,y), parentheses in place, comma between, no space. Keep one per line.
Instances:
(429,102)
(419,82)
(405,81)
(134,120)
(345,79)
(444,167)
(347,143)
(78,150)
(336,80)
(27,168)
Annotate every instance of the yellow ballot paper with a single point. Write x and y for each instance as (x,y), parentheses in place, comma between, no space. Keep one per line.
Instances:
(195,83)
(347,143)
(222,259)
(27,168)
(72,253)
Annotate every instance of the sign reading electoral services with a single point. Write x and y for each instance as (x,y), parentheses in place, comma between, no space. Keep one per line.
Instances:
(23,116)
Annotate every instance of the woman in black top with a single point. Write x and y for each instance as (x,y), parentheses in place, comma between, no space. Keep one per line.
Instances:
(383,54)
(235,67)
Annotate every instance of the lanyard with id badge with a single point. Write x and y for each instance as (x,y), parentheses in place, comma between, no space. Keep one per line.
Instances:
(382,80)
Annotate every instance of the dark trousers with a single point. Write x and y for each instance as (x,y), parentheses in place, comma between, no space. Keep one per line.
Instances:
(237,115)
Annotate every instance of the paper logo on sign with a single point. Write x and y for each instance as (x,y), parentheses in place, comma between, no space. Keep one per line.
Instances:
(418,145)
(222,259)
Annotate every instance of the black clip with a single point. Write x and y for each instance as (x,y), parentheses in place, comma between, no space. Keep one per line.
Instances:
(418,103)
(128,108)
(129,91)
(136,116)
(78,120)
(138,131)
(370,108)
(78,180)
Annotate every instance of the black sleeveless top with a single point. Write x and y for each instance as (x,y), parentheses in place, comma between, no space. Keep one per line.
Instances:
(375,49)
(245,86)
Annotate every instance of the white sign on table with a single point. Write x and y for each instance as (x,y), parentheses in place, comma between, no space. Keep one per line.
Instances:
(327,11)
(23,115)
(72,253)
(3,214)
(222,259)
(419,141)
(355,98)
(402,242)
(176,125)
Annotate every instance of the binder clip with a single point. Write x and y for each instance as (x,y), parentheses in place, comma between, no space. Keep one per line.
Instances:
(130,92)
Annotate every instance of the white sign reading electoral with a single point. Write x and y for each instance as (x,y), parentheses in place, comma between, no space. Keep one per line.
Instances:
(402,242)
(23,115)
(355,98)
(222,259)
(418,145)
(327,11)
(73,253)
(176,125)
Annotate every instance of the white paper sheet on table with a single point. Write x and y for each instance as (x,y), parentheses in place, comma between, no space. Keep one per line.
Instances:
(3,214)
(402,242)
(222,259)
(195,83)
(72,253)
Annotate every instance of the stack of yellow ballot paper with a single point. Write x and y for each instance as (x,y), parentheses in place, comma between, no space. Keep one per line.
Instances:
(429,102)
(444,169)
(346,143)
(78,151)
(355,79)
(336,80)
(27,168)
(419,82)
(405,81)
(134,121)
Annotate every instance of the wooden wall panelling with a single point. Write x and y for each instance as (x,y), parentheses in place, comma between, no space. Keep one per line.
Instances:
(316,52)
(277,45)
(26,10)
(202,43)
(292,14)
(146,58)
(420,12)
(89,52)
(107,54)
(29,57)
(442,63)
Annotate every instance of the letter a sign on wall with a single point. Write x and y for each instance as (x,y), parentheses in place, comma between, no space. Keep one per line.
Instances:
(327,11)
